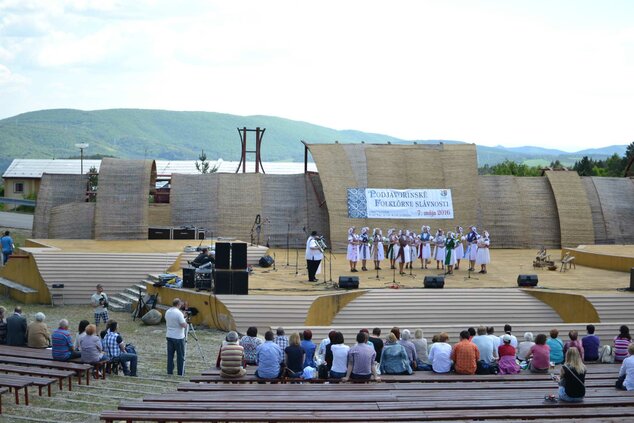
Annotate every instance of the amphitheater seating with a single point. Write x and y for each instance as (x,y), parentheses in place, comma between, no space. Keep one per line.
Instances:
(10,356)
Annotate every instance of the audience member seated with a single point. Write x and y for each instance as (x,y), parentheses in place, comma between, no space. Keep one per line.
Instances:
(397,332)
(361,360)
(572,379)
(440,354)
(3,325)
(115,349)
(37,333)
(90,346)
(465,355)
(621,343)
(81,332)
(525,346)
(591,344)
(539,355)
(507,331)
(231,357)
(496,340)
(626,372)
(250,342)
(472,332)
(63,348)
(16,328)
(421,351)
(377,343)
(309,349)
(507,363)
(556,347)
(269,358)
(328,348)
(487,345)
(339,352)
(294,357)
(280,338)
(574,342)
(410,348)
(323,345)
(394,360)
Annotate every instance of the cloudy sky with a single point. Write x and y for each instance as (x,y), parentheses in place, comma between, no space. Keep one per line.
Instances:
(494,72)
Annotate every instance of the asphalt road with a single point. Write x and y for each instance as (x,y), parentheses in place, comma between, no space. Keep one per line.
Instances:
(16,220)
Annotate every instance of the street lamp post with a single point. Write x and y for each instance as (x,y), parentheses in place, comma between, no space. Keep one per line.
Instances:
(81,147)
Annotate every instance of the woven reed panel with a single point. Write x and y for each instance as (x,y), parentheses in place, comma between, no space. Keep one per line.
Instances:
(358,164)
(459,166)
(284,210)
(159,214)
(56,190)
(539,213)
(239,202)
(500,211)
(123,198)
(72,221)
(575,216)
(193,200)
(598,220)
(316,207)
(616,196)
(336,177)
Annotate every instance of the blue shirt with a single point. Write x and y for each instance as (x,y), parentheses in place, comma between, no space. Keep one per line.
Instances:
(7,244)
(394,360)
(268,358)
(590,345)
(556,350)
(309,348)
(62,344)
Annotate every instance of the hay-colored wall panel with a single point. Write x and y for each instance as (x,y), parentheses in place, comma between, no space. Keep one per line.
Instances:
(122,200)
(284,203)
(56,190)
(598,220)
(616,197)
(358,164)
(575,216)
(500,211)
(159,215)
(239,203)
(72,221)
(459,166)
(316,207)
(194,200)
(541,223)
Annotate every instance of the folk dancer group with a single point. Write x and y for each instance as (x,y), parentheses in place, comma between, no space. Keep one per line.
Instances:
(405,246)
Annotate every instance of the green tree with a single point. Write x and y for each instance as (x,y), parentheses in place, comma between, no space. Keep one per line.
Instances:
(584,167)
(204,166)
(615,165)
(629,152)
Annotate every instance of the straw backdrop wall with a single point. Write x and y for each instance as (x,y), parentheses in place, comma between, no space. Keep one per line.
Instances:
(450,166)
(228,204)
(598,220)
(573,207)
(56,190)
(616,197)
(123,198)
(72,221)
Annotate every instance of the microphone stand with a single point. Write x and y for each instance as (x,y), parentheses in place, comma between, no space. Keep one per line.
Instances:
(296,261)
(274,269)
(288,235)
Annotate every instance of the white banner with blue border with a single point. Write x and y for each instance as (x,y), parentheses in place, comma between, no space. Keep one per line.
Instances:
(385,203)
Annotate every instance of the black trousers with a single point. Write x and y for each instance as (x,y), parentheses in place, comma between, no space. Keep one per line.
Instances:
(312,266)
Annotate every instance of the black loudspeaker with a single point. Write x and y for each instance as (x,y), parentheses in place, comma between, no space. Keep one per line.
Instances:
(159,233)
(57,285)
(266,261)
(188,277)
(201,234)
(183,234)
(527,280)
(240,282)
(239,255)
(349,282)
(222,283)
(434,282)
(632,279)
(222,255)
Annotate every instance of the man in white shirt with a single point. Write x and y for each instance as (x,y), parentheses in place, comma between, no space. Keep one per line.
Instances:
(100,301)
(314,256)
(486,345)
(440,355)
(175,323)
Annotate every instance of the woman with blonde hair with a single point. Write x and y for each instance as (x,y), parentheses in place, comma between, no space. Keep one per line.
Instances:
(294,356)
(572,378)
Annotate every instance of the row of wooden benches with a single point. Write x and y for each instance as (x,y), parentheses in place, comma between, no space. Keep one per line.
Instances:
(422,396)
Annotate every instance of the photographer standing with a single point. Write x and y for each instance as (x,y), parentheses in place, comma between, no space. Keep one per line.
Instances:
(100,301)
(175,323)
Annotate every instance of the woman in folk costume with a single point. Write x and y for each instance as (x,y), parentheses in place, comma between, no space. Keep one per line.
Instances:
(353,249)
(364,247)
(378,252)
(439,240)
(459,250)
(472,247)
(408,241)
(483,257)
(402,255)
(392,250)
(412,249)
(450,256)
(425,247)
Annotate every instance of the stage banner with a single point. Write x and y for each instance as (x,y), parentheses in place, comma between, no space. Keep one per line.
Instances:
(385,203)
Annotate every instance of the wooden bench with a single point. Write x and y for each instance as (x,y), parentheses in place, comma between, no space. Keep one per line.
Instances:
(16,385)
(39,371)
(79,368)
(40,382)
(39,353)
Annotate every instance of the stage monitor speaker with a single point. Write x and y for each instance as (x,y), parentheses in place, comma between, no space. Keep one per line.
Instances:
(266,261)
(239,255)
(223,250)
(434,282)
(222,282)
(349,282)
(240,282)
(527,280)
(183,233)
(189,274)
(159,233)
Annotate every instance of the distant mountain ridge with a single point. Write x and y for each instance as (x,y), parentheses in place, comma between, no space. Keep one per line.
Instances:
(174,135)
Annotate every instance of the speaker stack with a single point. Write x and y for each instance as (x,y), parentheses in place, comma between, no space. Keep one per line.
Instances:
(159,233)
(189,275)
(232,276)
(434,282)
(527,281)
(348,282)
